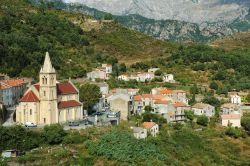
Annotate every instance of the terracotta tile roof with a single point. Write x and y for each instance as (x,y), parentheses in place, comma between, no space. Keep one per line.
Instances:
(138,98)
(161,102)
(229,106)
(29,97)
(230,116)
(179,104)
(66,88)
(147,96)
(4,84)
(157,97)
(68,104)
(62,88)
(166,91)
(148,125)
(200,105)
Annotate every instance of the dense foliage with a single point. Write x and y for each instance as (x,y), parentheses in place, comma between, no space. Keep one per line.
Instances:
(89,94)
(122,146)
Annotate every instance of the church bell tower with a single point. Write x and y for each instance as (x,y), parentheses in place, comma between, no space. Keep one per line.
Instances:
(48,93)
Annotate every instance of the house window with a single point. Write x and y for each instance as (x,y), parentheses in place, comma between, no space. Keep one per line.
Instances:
(44,93)
(30,111)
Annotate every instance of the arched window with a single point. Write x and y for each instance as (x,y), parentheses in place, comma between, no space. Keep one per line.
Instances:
(44,93)
(52,80)
(43,80)
(46,81)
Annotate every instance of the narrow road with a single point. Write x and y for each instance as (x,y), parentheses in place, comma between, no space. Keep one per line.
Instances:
(10,121)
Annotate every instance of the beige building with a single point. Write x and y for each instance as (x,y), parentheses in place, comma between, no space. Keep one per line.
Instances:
(120,103)
(233,120)
(49,101)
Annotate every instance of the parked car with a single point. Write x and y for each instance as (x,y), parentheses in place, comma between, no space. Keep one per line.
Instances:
(111,114)
(74,124)
(30,124)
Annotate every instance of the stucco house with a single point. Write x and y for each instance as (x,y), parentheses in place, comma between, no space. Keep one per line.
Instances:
(229,108)
(140,133)
(49,101)
(235,99)
(168,78)
(203,109)
(152,128)
(233,120)
(121,103)
(11,91)
(102,72)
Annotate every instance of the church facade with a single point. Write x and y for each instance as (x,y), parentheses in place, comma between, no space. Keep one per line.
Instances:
(49,101)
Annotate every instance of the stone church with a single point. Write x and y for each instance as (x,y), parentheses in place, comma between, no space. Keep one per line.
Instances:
(49,101)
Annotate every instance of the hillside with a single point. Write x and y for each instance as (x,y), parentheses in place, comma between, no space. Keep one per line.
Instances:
(237,41)
(198,21)
(27,32)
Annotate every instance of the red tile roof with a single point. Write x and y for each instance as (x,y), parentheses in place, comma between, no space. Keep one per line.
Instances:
(138,98)
(161,102)
(66,88)
(62,88)
(179,104)
(29,97)
(166,91)
(5,84)
(68,104)
(17,82)
(148,125)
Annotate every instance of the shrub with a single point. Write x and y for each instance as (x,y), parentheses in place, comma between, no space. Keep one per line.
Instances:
(122,146)
(234,132)
(53,134)
(245,122)
(202,120)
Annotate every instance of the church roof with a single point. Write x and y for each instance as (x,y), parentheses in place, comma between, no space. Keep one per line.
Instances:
(62,88)
(66,88)
(47,66)
(68,104)
(29,97)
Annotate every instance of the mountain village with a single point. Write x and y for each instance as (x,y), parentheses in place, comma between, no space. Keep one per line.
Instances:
(109,83)
(50,101)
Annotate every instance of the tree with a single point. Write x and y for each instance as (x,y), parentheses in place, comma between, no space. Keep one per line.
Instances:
(202,120)
(53,134)
(214,86)
(245,122)
(212,101)
(248,97)
(89,95)
(158,73)
(189,115)
(194,89)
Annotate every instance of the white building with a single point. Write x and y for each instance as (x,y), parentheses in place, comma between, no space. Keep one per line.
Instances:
(235,99)
(168,78)
(152,128)
(140,133)
(233,120)
(203,109)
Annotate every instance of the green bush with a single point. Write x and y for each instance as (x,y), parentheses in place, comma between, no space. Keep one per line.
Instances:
(122,146)
(53,134)
(234,132)
(202,120)
(74,138)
